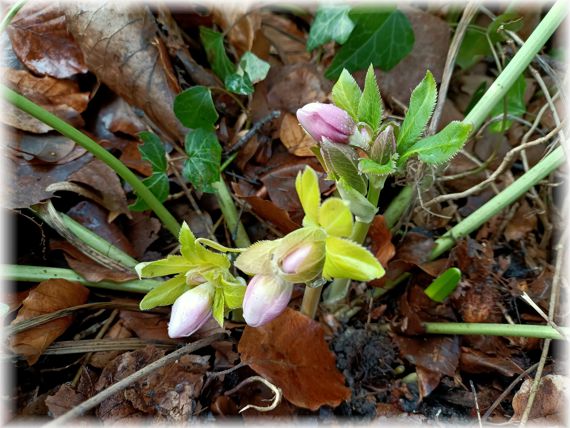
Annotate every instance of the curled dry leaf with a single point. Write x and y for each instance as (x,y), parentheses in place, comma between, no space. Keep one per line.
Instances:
(239,24)
(41,41)
(60,97)
(117,43)
(293,136)
(49,296)
(46,148)
(291,352)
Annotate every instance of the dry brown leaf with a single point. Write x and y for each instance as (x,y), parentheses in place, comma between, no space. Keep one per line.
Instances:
(41,41)
(551,397)
(239,25)
(146,326)
(60,97)
(49,296)
(291,352)
(65,398)
(102,358)
(294,137)
(287,39)
(523,222)
(117,43)
(47,148)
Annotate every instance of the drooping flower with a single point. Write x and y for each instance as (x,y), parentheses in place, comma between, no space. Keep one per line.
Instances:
(326,121)
(191,311)
(265,298)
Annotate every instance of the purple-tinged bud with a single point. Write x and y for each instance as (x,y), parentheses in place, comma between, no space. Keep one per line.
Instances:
(265,298)
(304,263)
(326,121)
(191,311)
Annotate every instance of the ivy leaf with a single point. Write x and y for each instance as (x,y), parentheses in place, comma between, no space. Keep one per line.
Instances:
(194,108)
(153,151)
(346,94)
(422,103)
(165,294)
(342,161)
(331,23)
(159,185)
(515,105)
(202,168)
(380,37)
(239,83)
(370,105)
(255,68)
(213,42)
(442,146)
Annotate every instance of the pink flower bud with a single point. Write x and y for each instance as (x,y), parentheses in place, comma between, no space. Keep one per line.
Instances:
(326,121)
(191,311)
(265,298)
(304,263)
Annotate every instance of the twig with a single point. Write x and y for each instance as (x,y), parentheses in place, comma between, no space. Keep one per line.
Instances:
(540,312)
(66,347)
(123,383)
(225,372)
(254,130)
(476,402)
(276,391)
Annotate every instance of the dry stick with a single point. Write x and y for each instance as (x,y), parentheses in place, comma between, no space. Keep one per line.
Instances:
(123,383)
(254,130)
(65,347)
(476,402)
(502,167)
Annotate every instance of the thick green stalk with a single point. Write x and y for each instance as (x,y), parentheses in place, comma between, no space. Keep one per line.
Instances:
(26,273)
(239,235)
(99,152)
(311,298)
(489,329)
(398,206)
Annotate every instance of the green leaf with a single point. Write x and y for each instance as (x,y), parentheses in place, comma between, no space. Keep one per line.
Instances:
(347,259)
(194,108)
(215,51)
(153,151)
(233,296)
(168,266)
(474,47)
(239,84)
(368,166)
(202,168)
(380,37)
(342,162)
(307,186)
(506,22)
(159,186)
(165,294)
(346,94)
(443,285)
(370,105)
(187,242)
(357,202)
(422,103)
(257,258)
(254,67)
(331,23)
(335,217)
(218,307)
(442,146)
(515,105)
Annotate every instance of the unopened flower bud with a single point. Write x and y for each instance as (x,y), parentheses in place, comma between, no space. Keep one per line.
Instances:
(265,298)
(191,311)
(326,121)
(304,263)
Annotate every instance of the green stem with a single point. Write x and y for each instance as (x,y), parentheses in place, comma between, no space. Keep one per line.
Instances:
(311,298)
(10,15)
(398,206)
(239,235)
(518,64)
(26,273)
(489,329)
(339,287)
(99,152)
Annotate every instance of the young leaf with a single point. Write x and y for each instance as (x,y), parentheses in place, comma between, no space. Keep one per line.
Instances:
(152,150)
(335,217)
(346,94)
(239,83)
(515,105)
(347,259)
(368,166)
(357,202)
(202,168)
(370,105)
(422,103)
(442,146)
(194,108)
(381,38)
(214,46)
(342,161)
(165,294)
(443,285)
(307,186)
(233,296)
(169,266)
(219,306)
(473,47)
(331,23)
(257,258)
(159,185)
(254,67)
(187,241)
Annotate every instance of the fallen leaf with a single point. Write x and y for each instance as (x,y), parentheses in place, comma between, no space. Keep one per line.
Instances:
(146,326)
(49,296)
(294,137)
(102,358)
(63,98)
(100,177)
(381,240)
(239,24)
(46,148)
(117,44)
(41,41)
(65,399)
(287,39)
(143,231)
(474,361)
(523,222)
(291,352)
(551,397)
